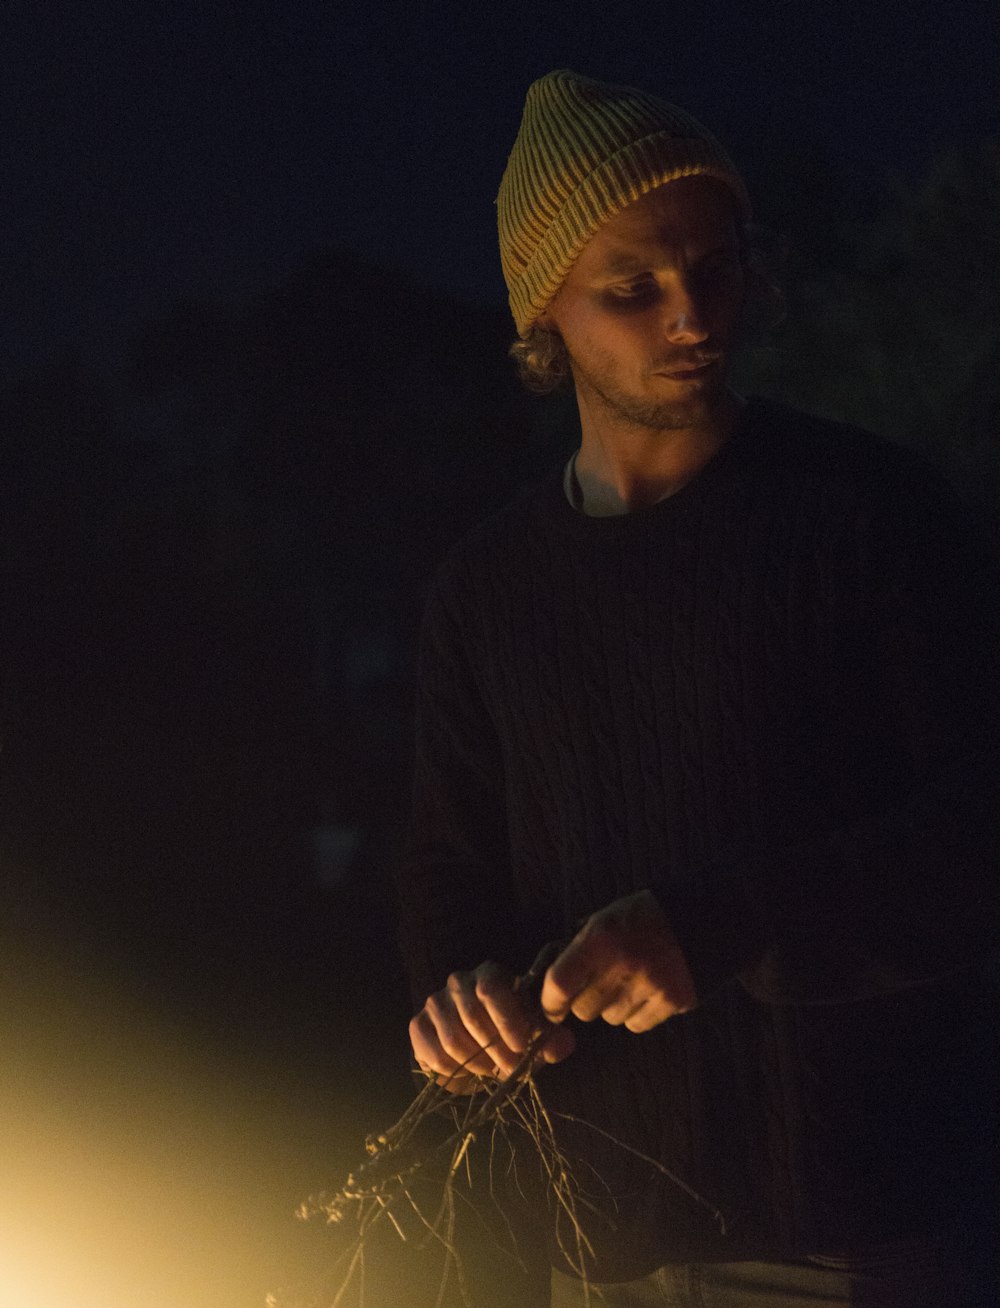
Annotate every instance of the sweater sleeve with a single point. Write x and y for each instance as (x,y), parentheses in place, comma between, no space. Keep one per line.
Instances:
(903,888)
(453,882)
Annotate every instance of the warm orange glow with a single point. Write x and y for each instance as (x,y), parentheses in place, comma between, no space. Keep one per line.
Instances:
(139,1168)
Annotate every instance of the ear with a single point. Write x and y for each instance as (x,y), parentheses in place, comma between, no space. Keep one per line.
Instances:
(546,320)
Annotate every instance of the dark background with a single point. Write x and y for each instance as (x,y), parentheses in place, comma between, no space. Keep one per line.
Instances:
(254,384)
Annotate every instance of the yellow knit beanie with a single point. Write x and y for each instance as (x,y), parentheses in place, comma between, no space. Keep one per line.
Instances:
(584,151)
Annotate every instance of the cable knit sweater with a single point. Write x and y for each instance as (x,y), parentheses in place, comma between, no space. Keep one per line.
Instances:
(772,700)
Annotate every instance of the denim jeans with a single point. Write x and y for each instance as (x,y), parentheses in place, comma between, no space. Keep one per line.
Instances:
(904,1275)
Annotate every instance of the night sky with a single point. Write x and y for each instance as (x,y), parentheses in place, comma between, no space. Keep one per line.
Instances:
(162,150)
(167,1099)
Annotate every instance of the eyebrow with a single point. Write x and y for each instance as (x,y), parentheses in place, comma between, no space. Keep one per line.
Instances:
(625,263)
(620,263)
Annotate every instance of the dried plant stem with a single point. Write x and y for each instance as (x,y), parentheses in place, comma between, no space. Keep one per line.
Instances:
(383,1182)
(654,1163)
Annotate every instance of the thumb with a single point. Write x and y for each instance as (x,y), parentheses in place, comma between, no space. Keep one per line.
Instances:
(529,984)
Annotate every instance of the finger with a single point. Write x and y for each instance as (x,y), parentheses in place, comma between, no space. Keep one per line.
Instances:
(648,1014)
(427,1048)
(559,1044)
(624,1006)
(505,1009)
(610,992)
(431,1058)
(529,986)
(570,975)
(482,1024)
(546,956)
(459,1047)
(460,1083)
(456,1083)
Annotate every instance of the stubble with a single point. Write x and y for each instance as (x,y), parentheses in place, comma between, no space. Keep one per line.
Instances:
(696,411)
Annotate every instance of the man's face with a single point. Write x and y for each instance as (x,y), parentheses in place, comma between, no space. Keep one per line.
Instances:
(650,308)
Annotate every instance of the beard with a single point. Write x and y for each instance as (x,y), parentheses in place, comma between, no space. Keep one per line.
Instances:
(695,410)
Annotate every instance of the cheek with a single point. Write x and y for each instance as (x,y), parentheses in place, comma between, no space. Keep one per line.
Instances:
(610,342)
(588,337)
(623,337)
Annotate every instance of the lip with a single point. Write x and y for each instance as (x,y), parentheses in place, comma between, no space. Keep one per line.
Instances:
(688,373)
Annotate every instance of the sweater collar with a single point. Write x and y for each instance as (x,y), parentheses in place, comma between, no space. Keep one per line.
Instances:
(728,457)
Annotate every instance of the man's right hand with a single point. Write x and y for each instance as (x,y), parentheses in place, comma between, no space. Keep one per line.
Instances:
(478,1026)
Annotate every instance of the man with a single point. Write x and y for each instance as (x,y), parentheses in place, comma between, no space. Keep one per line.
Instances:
(715,708)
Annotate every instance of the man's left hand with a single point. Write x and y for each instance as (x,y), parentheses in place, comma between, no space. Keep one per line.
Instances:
(624,965)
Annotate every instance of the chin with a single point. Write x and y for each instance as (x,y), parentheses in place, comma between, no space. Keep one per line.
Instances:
(671,415)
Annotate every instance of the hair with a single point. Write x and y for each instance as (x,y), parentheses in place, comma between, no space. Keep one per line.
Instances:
(543,363)
(541,359)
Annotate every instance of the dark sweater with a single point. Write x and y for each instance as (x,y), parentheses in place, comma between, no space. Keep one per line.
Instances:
(771,699)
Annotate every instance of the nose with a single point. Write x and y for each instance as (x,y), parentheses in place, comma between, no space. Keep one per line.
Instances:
(684,317)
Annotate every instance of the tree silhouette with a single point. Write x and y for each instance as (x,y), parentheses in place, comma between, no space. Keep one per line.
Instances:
(898,330)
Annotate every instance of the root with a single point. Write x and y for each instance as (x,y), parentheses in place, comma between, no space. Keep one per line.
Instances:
(382,1185)
(658,1166)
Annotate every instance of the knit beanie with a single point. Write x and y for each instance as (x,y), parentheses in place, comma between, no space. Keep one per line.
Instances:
(585,150)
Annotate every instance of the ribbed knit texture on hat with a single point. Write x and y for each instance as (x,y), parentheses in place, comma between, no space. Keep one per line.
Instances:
(585,150)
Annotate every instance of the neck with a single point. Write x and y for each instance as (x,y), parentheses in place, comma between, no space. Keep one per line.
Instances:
(622,466)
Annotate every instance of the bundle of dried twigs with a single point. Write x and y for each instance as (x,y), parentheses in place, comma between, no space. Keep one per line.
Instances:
(381,1188)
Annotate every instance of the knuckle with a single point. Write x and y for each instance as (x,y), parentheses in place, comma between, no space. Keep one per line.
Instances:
(488,985)
(451,1048)
(457,1046)
(596,938)
(588,930)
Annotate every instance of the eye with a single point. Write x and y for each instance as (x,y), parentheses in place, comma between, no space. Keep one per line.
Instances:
(637,292)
